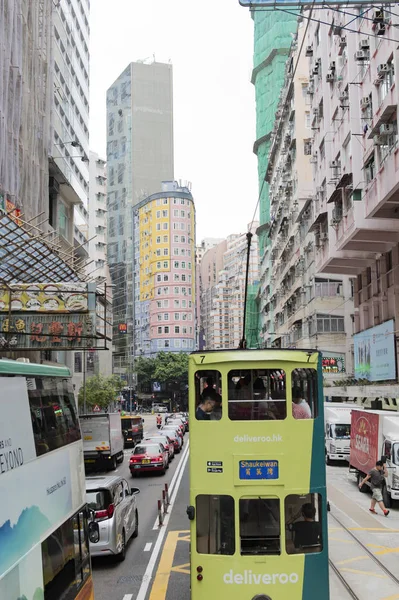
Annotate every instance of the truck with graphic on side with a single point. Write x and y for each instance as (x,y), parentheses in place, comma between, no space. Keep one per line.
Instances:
(375,436)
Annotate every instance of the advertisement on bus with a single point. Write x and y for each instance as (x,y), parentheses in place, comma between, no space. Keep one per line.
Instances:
(364,440)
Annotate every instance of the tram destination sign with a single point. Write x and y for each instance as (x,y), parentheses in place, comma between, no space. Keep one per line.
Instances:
(258,469)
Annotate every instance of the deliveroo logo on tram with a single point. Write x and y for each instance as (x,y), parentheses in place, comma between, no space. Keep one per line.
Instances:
(249,578)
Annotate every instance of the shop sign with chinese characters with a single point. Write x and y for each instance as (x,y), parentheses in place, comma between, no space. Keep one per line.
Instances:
(40,332)
(75,297)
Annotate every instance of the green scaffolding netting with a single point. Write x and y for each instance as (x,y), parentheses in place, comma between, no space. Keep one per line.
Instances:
(272,40)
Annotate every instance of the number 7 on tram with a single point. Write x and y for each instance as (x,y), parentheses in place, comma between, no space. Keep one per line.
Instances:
(257,475)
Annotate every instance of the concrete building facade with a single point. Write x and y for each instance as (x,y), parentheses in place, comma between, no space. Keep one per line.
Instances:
(164,272)
(222,286)
(354,105)
(299,306)
(139,158)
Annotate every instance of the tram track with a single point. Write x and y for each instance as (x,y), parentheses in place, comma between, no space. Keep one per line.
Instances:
(335,568)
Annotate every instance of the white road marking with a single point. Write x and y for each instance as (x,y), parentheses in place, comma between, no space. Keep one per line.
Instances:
(128,597)
(154,556)
(172,483)
(148,547)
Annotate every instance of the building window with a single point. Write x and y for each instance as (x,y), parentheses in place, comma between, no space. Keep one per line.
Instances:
(158,252)
(307,120)
(177,290)
(183,277)
(177,329)
(158,214)
(183,239)
(165,264)
(175,213)
(166,329)
(165,239)
(165,251)
(165,201)
(166,277)
(330,324)
(159,303)
(369,169)
(159,329)
(164,214)
(176,239)
(177,343)
(158,226)
(158,265)
(165,225)
(159,317)
(175,200)
(176,277)
(158,239)
(183,214)
(165,303)
(176,264)
(183,265)
(159,278)
(177,316)
(184,303)
(182,226)
(176,303)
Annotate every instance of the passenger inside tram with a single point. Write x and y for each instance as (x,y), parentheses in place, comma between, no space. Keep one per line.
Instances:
(256,395)
(303,524)
(208,399)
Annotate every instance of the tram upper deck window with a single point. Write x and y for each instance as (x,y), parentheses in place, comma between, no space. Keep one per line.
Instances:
(257,395)
(260,526)
(303,523)
(208,395)
(304,394)
(215,524)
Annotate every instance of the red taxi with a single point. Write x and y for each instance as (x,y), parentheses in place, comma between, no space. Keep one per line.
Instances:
(148,456)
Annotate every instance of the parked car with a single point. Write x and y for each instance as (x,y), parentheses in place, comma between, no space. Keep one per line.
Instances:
(149,456)
(115,510)
(175,427)
(165,440)
(176,438)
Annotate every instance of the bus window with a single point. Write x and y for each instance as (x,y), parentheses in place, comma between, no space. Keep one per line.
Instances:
(215,524)
(257,395)
(260,526)
(304,394)
(208,395)
(303,526)
(54,420)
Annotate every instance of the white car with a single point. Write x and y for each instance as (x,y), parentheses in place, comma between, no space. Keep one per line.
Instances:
(115,511)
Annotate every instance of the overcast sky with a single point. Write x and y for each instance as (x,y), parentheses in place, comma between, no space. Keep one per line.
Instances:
(210,44)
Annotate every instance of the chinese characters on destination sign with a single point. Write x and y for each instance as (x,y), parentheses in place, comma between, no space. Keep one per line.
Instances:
(258,469)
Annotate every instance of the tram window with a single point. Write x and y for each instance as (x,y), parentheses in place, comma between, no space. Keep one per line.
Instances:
(215,524)
(303,523)
(304,394)
(208,395)
(260,526)
(257,395)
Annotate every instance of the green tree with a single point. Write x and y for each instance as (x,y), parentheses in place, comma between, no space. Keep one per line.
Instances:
(171,366)
(100,390)
(145,369)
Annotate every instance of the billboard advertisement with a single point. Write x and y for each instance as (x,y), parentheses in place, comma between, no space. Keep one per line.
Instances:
(375,356)
(364,440)
(73,297)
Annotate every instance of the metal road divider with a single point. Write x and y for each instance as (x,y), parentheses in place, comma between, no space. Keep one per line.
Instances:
(163,505)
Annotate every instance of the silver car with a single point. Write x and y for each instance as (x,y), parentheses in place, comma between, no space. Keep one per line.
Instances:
(114,504)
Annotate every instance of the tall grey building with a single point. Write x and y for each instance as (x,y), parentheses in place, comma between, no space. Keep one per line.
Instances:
(139,158)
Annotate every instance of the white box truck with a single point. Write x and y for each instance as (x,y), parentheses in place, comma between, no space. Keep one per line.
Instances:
(337,430)
(102,440)
(375,436)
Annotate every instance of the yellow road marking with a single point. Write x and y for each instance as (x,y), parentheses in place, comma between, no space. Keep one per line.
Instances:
(349,560)
(394,597)
(160,585)
(185,538)
(165,567)
(358,572)
(182,568)
(387,550)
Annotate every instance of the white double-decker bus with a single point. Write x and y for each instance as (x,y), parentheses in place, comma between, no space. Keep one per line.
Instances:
(44,548)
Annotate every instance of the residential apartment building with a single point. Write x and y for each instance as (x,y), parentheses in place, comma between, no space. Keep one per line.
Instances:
(200,251)
(139,158)
(300,307)
(69,151)
(354,102)
(164,272)
(25,106)
(222,286)
(272,40)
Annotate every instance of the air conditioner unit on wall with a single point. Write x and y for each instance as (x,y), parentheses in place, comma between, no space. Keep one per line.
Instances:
(330,77)
(364,103)
(361,55)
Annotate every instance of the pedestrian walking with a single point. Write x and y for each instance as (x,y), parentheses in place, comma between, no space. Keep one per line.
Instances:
(377,480)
